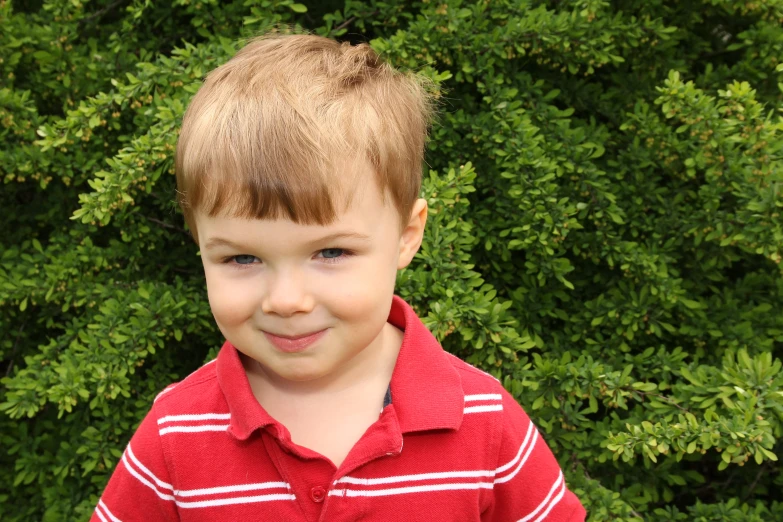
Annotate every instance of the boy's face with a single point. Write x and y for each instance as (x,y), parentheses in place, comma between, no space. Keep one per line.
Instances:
(268,279)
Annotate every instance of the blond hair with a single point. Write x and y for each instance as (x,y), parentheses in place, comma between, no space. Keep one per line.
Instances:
(268,132)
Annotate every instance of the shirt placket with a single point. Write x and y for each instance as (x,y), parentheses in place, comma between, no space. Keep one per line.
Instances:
(383,440)
(312,477)
(308,473)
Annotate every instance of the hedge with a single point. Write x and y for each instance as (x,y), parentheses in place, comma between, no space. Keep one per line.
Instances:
(605,233)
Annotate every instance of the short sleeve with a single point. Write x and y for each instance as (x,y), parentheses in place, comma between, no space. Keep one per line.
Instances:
(529,485)
(140,487)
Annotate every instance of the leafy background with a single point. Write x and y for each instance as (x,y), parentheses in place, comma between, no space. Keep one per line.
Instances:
(605,234)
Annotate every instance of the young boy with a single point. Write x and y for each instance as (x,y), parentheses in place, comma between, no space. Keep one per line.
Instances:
(299,170)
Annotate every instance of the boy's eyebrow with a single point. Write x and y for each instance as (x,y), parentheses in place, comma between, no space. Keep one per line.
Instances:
(215,242)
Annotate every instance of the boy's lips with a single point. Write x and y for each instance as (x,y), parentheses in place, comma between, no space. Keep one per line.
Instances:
(294,337)
(295,343)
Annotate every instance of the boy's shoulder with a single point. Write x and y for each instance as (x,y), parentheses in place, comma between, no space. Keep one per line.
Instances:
(195,389)
(484,393)
(473,379)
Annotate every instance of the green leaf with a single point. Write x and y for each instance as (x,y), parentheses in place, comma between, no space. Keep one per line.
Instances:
(599,151)
(685,372)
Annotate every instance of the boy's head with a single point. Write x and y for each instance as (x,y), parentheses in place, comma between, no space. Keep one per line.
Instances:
(298,169)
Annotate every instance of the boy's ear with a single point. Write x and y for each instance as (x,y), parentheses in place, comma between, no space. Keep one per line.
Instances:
(413,233)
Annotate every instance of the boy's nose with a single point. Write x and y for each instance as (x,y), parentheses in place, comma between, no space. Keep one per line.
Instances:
(287,295)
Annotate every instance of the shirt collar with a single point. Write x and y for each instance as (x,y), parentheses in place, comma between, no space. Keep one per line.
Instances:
(247,415)
(426,389)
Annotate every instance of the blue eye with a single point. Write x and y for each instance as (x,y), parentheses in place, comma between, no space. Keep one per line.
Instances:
(244,259)
(334,255)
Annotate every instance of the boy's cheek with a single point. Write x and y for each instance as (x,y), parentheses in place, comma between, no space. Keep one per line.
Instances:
(230,303)
(362,295)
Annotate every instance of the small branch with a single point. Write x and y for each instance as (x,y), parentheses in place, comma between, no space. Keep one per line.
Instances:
(345,24)
(101,12)
(13,350)
(168,225)
(352,20)
(659,396)
(576,462)
(709,487)
(762,469)
(670,401)
(180,270)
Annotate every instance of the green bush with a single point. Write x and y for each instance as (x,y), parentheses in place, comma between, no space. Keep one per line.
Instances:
(605,233)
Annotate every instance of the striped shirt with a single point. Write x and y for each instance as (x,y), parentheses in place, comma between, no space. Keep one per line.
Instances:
(451,444)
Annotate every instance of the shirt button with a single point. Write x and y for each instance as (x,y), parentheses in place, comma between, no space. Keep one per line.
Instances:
(318,494)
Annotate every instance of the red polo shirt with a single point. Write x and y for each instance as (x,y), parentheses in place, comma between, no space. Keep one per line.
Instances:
(451,445)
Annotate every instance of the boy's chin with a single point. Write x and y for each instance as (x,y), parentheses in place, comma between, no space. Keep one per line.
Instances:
(303,377)
(290,373)
(299,374)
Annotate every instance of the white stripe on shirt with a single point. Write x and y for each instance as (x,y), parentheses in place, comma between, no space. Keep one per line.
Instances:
(559,484)
(410,489)
(106,509)
(202,491)
(235,500)
(193,429)
(194,417)
(146,471)
(527,444)
(228,489)
(144,481)
(416,477)
(522,462)
(100,515)
(513,461)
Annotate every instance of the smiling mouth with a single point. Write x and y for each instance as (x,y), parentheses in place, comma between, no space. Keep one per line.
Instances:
(295,344)
(295,337)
